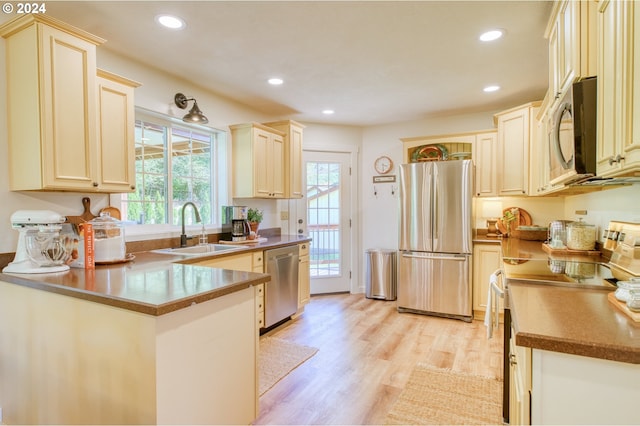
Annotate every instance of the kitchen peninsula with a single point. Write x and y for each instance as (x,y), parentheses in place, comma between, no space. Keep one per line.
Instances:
(161,339)
(572,350)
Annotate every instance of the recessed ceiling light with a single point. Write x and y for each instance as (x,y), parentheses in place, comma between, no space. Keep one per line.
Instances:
(491,88)
(328,111)
(169,21)
(275,81)
(491,35)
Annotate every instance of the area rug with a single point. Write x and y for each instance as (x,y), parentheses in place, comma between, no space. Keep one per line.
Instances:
(437,396)
(278,358)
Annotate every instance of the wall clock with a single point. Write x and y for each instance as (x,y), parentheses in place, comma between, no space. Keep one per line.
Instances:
(383,165)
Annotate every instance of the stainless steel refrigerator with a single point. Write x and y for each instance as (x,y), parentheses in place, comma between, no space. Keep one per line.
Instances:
(435,238)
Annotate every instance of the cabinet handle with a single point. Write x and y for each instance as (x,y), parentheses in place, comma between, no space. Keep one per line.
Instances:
(133,187)
(95,184)
(512,359)
(617,159)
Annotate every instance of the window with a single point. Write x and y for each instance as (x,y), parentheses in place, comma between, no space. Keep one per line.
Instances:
(175,162)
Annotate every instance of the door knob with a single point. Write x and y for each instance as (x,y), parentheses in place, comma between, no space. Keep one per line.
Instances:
(300,231)
(300,221)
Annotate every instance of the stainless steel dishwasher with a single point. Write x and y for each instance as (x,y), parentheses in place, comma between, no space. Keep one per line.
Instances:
(281,293)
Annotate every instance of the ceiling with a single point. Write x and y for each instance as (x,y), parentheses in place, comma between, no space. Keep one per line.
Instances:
(373,62)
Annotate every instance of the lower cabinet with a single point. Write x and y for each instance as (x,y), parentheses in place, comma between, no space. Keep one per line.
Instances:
(304,284)
(520,383)
(573,389)
(239,262)
(486,259)
(249,262)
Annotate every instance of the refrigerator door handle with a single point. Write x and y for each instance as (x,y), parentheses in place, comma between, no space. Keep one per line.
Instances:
(422,256)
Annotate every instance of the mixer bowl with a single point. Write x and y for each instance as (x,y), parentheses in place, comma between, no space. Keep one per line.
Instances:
(49,248)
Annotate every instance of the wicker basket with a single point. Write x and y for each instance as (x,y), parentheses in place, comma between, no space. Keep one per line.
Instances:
(530,233)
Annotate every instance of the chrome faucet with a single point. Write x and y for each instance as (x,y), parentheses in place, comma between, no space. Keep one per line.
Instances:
(183,236)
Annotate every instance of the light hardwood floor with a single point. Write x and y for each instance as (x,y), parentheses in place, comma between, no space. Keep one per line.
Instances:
(366,353)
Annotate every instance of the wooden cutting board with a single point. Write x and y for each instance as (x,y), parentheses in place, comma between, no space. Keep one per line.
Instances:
(635,316)
(114,212)
(525,219)
(86,215)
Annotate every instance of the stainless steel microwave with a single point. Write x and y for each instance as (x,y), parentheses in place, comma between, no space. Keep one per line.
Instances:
(572,142)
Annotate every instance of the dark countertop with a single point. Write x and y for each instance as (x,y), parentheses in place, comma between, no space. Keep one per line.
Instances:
(153,283)
(575,321)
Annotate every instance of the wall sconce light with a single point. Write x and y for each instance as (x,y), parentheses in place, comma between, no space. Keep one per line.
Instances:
(492,210)
(194,115)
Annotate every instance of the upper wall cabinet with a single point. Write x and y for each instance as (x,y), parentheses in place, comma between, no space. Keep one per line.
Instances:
(485,151)
(516,129)
(258,161)
(571,32)
(439,147)
(618,89)
(293,132)
(116,140)
(55,107)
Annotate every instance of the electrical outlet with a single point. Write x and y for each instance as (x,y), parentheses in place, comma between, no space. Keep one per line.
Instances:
(284,215)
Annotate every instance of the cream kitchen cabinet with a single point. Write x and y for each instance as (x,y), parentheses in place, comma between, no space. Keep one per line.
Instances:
(258,161)
(51,99)
(293,136)
(71,126)
(116,141)
(459,143)
(304,279)
(516,129)
(484,155)
(618,123)
(486,259)
(238,262)
(248,262)
(519,383)
(571,32)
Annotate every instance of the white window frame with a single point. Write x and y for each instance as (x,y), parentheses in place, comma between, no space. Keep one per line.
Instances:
(220,192)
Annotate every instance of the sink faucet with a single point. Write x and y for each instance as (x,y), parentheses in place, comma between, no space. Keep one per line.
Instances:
(183,236)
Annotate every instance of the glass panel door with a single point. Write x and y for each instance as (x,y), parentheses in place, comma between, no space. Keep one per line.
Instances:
(328,220)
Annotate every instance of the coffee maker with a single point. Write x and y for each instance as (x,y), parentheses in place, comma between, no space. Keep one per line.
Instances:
(234,223)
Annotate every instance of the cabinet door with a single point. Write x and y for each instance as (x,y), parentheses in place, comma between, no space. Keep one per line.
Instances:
(276,166)
(239,262)
(520,383)
(304,282)
(268,160)
(484,153)
(116,122)
(609,88)
(263,178)
(486,259)
(258,262)
(631,140)
(68,87)
(513,148)
(295,162)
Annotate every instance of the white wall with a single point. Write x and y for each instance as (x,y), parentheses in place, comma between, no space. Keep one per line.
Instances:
(380,211)
(613,204)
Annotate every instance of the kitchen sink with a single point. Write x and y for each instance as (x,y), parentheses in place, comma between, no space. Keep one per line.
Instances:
(199,250)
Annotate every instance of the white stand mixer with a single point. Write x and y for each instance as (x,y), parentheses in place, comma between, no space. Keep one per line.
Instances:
(31,223)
